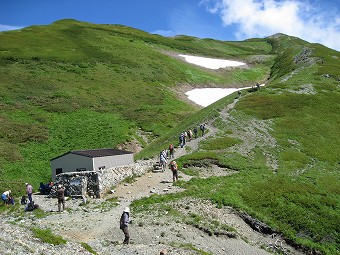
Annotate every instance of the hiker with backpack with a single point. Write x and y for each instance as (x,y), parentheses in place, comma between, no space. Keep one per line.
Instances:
(195,132)
(61,198)
(180,138)
(184,134)
(171,151)
(189,132)
(162,160)
(124,224)
(202,128)
(174,169)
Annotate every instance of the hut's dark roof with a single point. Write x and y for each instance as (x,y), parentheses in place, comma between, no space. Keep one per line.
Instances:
(97,153)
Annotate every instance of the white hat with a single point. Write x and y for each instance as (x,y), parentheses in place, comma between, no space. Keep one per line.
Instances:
(26,184)
(127,209)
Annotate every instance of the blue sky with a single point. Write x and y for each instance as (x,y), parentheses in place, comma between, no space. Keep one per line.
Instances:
(230,20)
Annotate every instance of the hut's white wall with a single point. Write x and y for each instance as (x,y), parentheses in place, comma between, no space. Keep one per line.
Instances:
(112,161)
(70,163)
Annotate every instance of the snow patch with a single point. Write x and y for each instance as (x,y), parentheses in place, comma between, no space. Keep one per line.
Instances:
(211,63)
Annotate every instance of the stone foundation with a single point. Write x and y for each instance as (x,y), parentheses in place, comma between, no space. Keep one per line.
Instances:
(97,183)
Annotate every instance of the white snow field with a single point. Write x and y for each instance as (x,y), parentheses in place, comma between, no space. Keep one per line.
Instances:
(207,96)
(211,63)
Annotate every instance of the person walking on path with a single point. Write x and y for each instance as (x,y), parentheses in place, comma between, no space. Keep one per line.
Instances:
(162,160)
(202,127)
(189,132)
(181,140)
(195,132)
(29,191)
(171,150)
(5,196)
(174,169)
(61,198)
(124,224)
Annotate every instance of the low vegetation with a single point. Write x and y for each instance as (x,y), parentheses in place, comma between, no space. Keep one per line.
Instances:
(91,86)
(47,236)
(88,248)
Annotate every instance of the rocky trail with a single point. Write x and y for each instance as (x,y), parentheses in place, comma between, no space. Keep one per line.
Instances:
(97,222)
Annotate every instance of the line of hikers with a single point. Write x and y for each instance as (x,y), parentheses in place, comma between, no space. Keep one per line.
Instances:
(169,153)
(190,134)
(164,155)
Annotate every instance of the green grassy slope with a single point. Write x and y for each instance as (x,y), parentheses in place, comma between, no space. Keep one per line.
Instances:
(299,198)
(75,85)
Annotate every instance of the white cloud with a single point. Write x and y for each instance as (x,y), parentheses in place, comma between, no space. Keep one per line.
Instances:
(8,27)
(262,18)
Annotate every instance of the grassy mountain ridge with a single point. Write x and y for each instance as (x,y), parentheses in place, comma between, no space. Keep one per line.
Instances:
(75,85)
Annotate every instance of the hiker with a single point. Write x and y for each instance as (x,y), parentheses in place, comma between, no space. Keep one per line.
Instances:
(10,200)
(174,169)
(124,224)
(61,198)
(189,132)
(181,140)
(195,132)
(162,160)
(184,137)
(5,196)
(29,191)
(165,153)
(171,151)
(202,128)
(239,92)
(257,86)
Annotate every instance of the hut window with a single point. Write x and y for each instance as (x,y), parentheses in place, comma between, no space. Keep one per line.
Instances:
(58,171)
